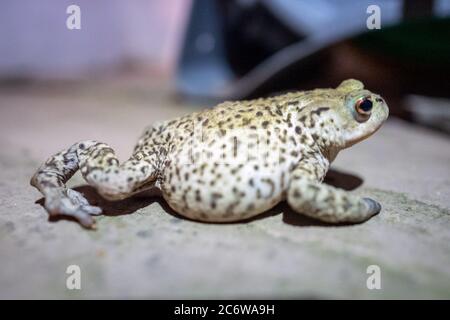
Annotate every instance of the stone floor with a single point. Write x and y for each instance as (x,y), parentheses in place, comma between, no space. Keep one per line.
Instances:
(142,250)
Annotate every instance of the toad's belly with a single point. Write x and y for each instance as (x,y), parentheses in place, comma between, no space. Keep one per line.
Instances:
(223,192)
(230,177)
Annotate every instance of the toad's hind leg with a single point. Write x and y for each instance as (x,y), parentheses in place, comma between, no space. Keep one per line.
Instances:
(100,168)
(308,196)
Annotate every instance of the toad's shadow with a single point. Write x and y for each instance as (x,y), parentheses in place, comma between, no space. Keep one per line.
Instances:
(335,178)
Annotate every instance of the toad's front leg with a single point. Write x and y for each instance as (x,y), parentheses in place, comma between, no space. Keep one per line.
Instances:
(307,195)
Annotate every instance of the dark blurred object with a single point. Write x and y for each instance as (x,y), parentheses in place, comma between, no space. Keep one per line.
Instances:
(417,50)
(241,49)
(431,112)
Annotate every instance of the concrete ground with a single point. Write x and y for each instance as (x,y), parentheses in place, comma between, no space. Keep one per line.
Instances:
(142,250)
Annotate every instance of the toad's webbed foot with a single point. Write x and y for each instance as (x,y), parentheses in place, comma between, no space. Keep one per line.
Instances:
(373,207)
(71,203)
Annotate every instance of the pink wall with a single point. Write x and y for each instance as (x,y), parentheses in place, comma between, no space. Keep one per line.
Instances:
(36,43)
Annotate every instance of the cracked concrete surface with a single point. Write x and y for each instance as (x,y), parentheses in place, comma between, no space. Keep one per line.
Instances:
(143,250)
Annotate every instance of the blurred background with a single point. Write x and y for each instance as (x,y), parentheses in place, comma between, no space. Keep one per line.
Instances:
(211,50)
(36,43)
(135,62)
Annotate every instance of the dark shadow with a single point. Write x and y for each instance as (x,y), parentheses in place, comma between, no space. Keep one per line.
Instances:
(343,180)
(114,208)
(335,178)
(290,216)
(293,218)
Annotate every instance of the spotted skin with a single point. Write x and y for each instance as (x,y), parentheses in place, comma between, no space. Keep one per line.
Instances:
(230,162)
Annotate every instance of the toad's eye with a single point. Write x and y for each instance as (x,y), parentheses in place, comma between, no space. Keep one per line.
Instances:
(364,106)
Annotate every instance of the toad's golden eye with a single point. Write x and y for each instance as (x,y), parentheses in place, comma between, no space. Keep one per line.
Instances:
(364,106)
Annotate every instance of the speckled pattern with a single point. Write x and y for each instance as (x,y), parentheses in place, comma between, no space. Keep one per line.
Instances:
(230,162)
